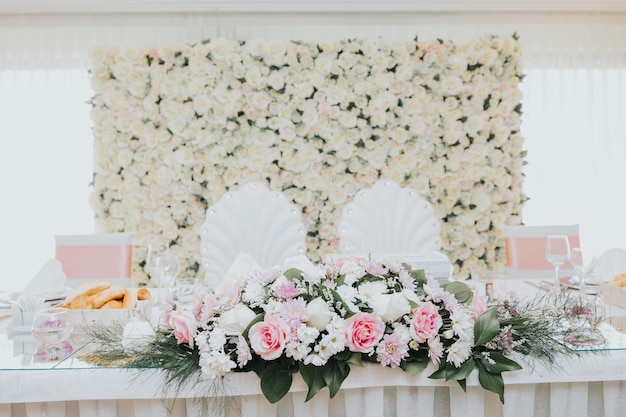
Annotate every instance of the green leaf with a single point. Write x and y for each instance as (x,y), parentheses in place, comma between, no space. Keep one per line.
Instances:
(486,327)
(293,274)
(355,358)
(449,372)
(414,367)
(463,384)
(312,376)
(337,298)
(256,364)
(460,290)
(255,320)
(419,275)
(502,363)
(275,382)
(491,381)
(334,373)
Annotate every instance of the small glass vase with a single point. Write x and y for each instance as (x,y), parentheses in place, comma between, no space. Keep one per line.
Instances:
(51,329)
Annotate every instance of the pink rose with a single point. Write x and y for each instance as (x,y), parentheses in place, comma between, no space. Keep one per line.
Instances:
(425,322)
(363,332)
(268,337)
(184,325)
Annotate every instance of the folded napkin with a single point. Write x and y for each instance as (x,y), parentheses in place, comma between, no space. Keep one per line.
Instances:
(611,263)
(49,279)
(243,266)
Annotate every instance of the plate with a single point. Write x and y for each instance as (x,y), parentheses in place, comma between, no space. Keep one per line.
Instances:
(8,298)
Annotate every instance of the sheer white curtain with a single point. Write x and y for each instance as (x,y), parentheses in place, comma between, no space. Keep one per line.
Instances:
(574,124)
(45,166)
(573,113)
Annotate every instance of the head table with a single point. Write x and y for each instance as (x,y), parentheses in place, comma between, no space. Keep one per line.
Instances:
(592,384)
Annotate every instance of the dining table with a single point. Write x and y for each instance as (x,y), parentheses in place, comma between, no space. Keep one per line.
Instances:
(590,383)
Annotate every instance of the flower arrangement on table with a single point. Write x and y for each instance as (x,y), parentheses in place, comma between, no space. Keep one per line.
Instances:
(319,320)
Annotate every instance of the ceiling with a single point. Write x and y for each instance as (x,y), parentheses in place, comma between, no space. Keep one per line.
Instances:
(21,7)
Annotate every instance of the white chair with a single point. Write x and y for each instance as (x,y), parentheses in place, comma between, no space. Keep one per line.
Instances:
(389,220)
(254,221)
(525,250)
(106,256)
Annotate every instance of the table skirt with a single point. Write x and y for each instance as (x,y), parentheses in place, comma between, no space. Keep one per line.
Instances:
(593,385)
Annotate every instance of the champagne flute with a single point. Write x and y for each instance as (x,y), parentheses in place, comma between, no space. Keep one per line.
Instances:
(577,263)
(167,268)
(557,253)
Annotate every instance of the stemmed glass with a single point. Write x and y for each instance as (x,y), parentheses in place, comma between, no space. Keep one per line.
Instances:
(154,251)
(167,268)
(557,253)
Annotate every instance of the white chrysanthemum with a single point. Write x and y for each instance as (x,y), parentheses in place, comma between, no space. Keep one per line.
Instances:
(216,363)
(330,345)
(253,293)
(462,324)
(307,334)
(217,339)
(370,290)
(297,351)
(348,294)
(402,331)
(459,352)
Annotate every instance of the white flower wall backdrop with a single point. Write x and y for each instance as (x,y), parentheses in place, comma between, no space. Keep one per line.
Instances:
(175,127)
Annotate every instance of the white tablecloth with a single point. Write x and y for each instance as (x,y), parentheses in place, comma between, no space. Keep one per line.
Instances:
(592,385)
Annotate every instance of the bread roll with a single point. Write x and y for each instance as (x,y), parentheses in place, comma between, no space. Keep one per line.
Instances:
(620,280)
(88,288)
(114,292)
(130,300)
(143,294)
(113,304)
(82,302)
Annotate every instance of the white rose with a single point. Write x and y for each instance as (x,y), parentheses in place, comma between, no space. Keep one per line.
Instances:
(138,334)
(235,320)
(390,307)
(319,314)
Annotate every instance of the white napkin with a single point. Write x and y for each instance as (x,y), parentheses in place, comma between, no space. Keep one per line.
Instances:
(243,266)
(303,263)
(611,263)
(49,279)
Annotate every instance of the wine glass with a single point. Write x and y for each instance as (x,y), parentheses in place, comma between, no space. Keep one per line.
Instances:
(557,253)
(154,251)
(167,268)
(576,259)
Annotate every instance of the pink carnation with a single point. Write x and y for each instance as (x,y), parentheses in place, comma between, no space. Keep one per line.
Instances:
(363,332)
(287,291)
(392,350)
(243,352)
(268,337)
(375,269)
(184,325)
(425,322)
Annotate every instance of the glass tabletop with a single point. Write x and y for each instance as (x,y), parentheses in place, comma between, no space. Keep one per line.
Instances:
(20,351)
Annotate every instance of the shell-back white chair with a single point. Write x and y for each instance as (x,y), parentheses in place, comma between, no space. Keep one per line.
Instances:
(254,221)
(388,219)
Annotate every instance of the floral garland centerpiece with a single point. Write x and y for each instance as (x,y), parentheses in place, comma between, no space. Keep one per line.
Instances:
(319,320)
